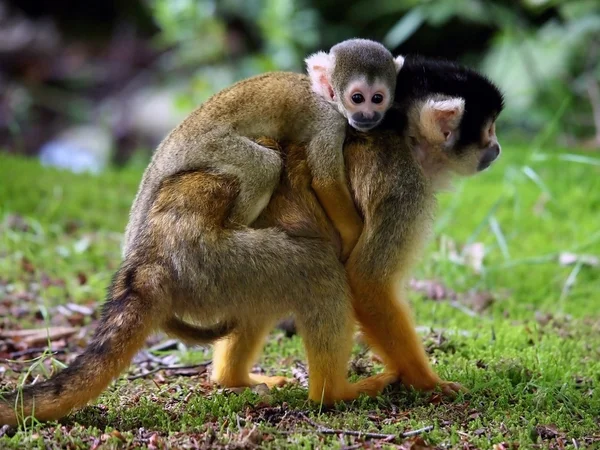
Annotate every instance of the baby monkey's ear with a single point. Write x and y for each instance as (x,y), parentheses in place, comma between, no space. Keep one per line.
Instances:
(398,62)
(319,67)
(440,118)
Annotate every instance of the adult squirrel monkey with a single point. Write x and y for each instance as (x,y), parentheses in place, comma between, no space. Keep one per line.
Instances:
(186,263)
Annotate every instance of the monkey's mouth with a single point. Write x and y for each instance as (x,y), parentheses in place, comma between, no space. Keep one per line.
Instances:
(488,157)
(364,126)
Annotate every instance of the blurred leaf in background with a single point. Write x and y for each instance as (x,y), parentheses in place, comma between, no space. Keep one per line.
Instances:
(225,41)
(539,68)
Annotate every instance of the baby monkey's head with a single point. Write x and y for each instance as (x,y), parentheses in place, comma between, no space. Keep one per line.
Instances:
(359,77)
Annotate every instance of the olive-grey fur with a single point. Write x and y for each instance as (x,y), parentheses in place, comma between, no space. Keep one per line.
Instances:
(365,57)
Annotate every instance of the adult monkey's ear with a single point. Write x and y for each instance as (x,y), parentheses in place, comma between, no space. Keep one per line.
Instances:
(440,118)
(398,62)
(319,67)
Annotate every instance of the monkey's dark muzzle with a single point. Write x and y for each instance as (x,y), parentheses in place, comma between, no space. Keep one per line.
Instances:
(363,122)
(364,126)
(488,157)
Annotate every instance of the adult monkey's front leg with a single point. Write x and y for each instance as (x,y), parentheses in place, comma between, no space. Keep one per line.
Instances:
(386,321)
(397,203)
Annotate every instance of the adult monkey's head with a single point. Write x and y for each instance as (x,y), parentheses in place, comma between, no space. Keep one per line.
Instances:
(449,114)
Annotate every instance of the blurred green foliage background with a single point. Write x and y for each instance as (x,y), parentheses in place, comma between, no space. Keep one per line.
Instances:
(544,54)
(136,68)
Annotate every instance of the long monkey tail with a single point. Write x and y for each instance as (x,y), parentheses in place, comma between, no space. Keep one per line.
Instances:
(138,303)
(128,317)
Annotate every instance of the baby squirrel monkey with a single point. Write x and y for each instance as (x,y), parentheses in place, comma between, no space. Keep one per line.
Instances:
(358,78)
(354,82)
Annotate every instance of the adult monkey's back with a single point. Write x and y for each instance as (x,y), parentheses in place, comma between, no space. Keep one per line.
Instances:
(165,278)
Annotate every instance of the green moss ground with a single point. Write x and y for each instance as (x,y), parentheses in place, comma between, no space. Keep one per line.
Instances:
(531,359)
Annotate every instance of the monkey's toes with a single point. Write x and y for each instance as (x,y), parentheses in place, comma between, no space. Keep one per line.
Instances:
(272,382)
(374,385)
(451,389)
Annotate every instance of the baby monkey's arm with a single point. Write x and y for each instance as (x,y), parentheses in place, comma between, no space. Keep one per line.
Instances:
(339,206)
(331,188)
(356,79)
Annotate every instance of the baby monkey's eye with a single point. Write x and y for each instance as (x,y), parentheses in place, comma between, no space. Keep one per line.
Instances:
(377,98)
(357,98)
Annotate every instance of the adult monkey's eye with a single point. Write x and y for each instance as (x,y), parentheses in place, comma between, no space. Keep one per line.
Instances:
(357,98)
(377,98)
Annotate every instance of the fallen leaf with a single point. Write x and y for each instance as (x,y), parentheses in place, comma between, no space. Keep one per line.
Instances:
(33,337)
(27,266)
(300,373)
(433,290)
(154,442)
(543,318)
(415,443)
(546,432)
(251,437)
(16,222)
(479,301)
(118,435)
(361,365)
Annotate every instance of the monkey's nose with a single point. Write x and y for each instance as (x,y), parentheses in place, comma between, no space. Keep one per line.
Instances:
(366,116)
(488,157)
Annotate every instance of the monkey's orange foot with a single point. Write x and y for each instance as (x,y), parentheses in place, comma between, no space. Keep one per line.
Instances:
(448,388)
(345,391)
(251,380)
(374,385)
(451,389)
(270,381)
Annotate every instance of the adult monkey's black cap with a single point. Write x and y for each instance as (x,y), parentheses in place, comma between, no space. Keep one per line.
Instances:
(421,77)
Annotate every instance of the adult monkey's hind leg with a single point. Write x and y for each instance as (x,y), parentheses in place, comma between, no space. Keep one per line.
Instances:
(234,356)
